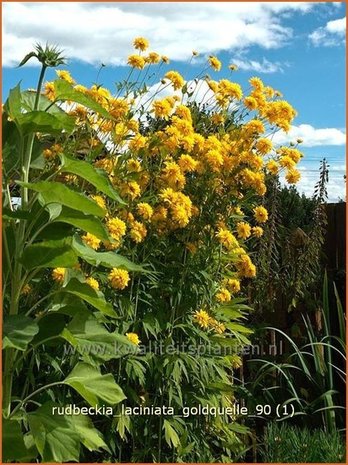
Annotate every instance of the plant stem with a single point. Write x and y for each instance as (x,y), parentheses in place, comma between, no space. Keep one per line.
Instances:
(42,388)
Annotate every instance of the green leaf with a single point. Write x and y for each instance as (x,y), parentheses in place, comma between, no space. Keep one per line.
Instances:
(93,386)
(94,342)
(19,214)
(170,435)
(41,121)
(55,439)
(49,254)
(28,102)
(18,331)
(89,436)
(13,103)
(89,295)
(56,192)
(98,178)
(13,445)
(78,219)
(107,259)
(26,58)
(65,91)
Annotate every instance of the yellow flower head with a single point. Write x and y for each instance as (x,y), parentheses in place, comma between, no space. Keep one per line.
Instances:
(138,232)
(243,230)
(293,176)
(26,289)
(187,164)
(145,210)
(272,167)
(233,285)
(176,79)
(264,146)
(250,103)
(93,283)
(223,295)
(133,166)
(91,240)
(116,228)
(140,43)
(65,75)
(99,200)
(215,63)
(256,83)
(58,275)
(218,327)
(134,338)
(257,231)
(202,318)
(162,108)
(119,278)
(153,58)
(50,91)
(136,61)
(260,214)
(227,239)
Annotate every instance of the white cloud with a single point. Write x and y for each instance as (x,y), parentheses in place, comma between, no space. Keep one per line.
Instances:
(312,137)
(333,33)
(102,32)
(263,66)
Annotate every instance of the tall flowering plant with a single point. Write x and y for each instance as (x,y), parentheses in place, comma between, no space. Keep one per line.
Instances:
(130,248)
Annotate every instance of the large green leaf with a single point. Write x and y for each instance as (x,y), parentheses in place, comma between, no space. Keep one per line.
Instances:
(13,443)
(94,342)
(65,91)
(18,331)
(54,437)
(89,295)
(107,259)
(170,435)
(93,386)
(89,436)
(49,254)
(98,178)
(56,192)
(41,121)
(44,104)
(78,219)
(13,103)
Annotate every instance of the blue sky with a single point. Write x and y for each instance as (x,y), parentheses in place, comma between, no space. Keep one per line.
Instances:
(297,47)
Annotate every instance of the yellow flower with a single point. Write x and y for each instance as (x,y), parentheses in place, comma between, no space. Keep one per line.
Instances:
(119,278)
(243,230)
(272,167)
(91,240)
(246,267)
(138,142)
(138,232)
(286,162)
(165,59)
(58,275)
(99,200)
(153,58)
(65,75)
(233,285)
(136,61)
(264,146)
(187,163)
(226,238)
(260,214)
(145,210)
(254,126)
(116,228)
(250,103)
(223,295)
(93,283)
(218,327)
(230,89)
(26,289)
(134,338)
(162,108)
(215,63)
(140,43)
(172,175)
(256,83)
(118,108)
(293,176)
(202,318)
(257,231)
(131,189)
(133,166)
(176,79)
(50,91)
